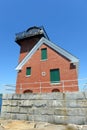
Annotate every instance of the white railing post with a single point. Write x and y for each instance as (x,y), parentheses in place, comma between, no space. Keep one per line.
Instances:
(40,87)
(20,88)
(63,85)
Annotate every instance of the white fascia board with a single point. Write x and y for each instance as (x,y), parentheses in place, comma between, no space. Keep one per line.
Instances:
(72,58)
(61,51)
(28,56)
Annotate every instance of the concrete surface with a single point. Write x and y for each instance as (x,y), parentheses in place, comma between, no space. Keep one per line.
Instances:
(26,125)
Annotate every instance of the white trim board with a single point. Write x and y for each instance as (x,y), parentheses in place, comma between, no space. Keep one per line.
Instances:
(66,54)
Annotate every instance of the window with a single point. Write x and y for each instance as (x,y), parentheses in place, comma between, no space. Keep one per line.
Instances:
(54,75)
(55,90)
(28,91)
(28,71)
(44,54)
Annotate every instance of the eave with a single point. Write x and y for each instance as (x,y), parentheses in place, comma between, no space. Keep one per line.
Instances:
(66,54)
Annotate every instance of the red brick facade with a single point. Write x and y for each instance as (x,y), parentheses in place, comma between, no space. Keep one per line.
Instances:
(26,46)
(39,82)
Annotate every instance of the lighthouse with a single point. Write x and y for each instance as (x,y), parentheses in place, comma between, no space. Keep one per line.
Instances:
(44,66)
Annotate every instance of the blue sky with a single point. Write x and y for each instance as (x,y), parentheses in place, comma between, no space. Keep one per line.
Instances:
(65,22)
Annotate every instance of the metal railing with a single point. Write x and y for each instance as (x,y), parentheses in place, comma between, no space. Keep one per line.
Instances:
(25,34)
(64,85)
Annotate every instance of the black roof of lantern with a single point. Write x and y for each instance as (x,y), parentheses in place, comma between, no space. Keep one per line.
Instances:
(30,32)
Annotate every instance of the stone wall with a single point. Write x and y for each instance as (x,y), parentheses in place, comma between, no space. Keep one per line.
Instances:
(58,108)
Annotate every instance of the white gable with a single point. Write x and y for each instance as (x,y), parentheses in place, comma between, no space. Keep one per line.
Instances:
(72,58)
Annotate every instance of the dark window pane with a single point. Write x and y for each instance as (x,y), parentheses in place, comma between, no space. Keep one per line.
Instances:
(54,75)
(28,71)
(44,54)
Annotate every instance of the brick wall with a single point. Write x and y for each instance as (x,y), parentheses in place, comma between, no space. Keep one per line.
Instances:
(54,61)
(26,46)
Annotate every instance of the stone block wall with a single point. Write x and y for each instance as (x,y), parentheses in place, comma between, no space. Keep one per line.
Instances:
(58,108)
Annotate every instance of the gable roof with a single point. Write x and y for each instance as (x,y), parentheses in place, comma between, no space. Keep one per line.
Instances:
(66,54)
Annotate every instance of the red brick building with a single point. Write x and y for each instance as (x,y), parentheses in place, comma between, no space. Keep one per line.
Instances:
(44,66)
